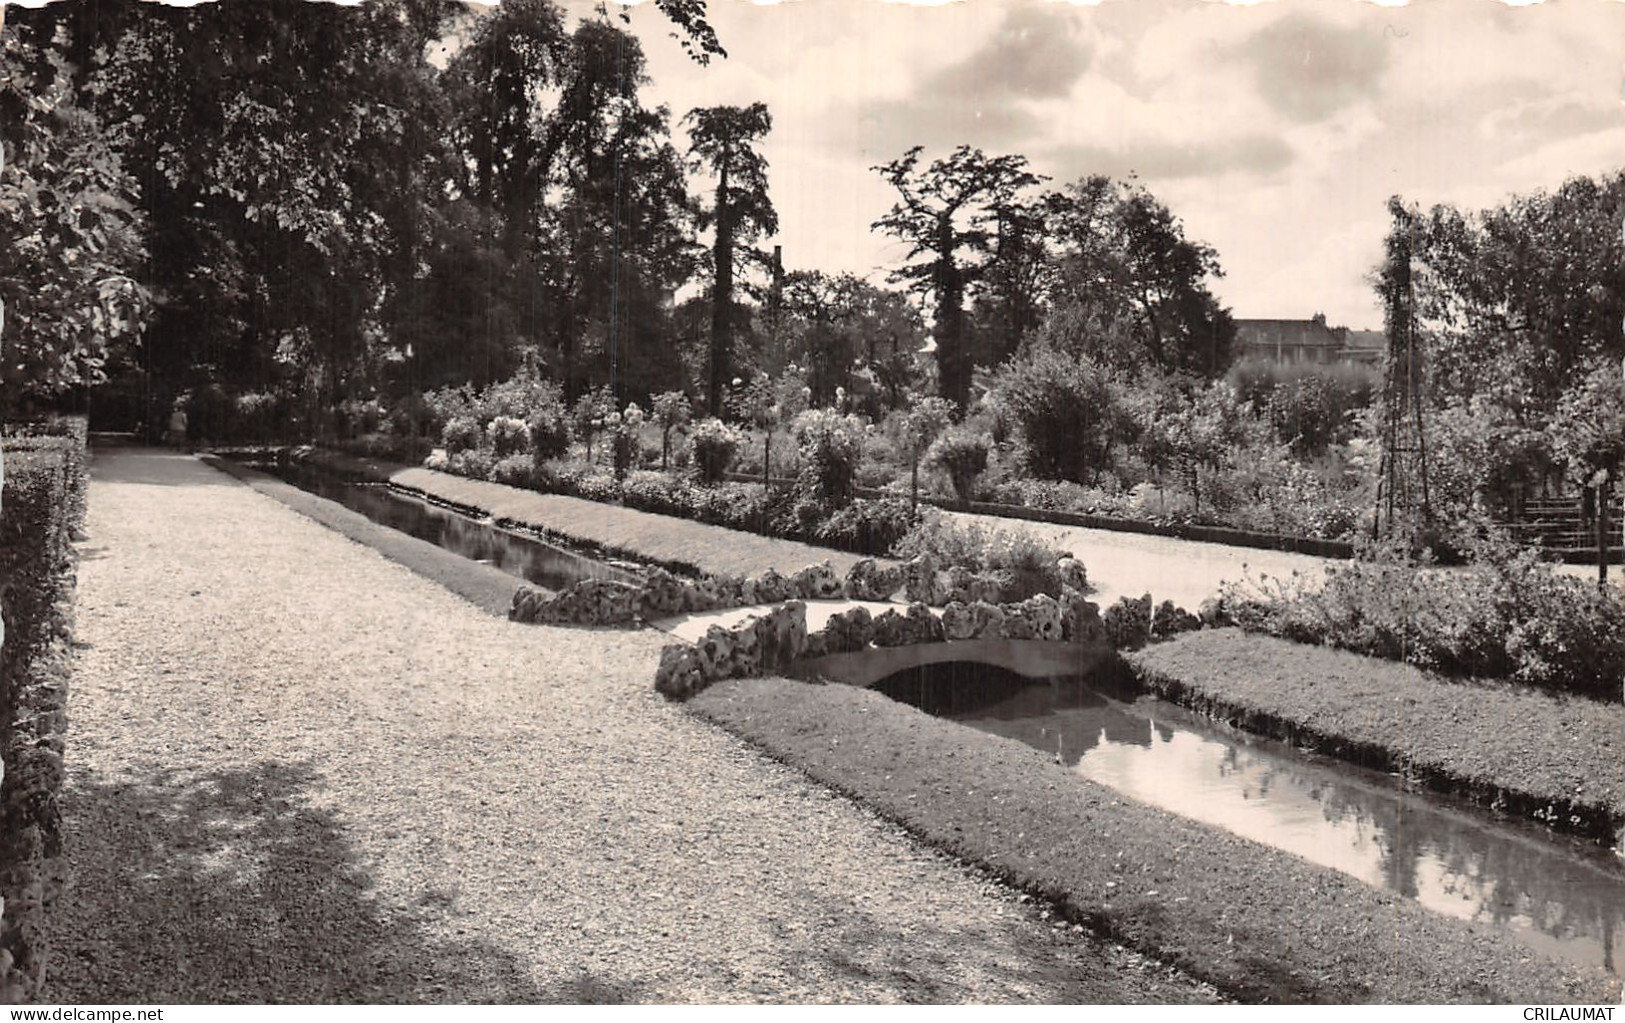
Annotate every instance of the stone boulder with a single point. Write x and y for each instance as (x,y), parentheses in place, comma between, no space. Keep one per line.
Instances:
(957,623)
(663,595)
(591,602)
(817,645)
(701,594)
(867,580)
(681,673)
(979,620)
(745,654)
(849,630)
(816,582)
(1080,618)
(988,620)
(1037,617)
(1128,622)
(768,588)
(782,635)
(917,625)
(715,651)
(1212,614)
(1070,572)
(968,587)
(922,583)
(890,628)
(526,600)
(1170,620)
(923,626)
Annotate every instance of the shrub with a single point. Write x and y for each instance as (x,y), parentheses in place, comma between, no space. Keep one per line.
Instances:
(460,434)
(515,470)
(472,462)
(980,549)
(44,486)
(1310,407)
(549,430)
(831,447)
(713,445)
(1067,413)
(671,411)
(509,436)
(962,454)
(912,432)
(257,419)
(1506,615)
(868,527)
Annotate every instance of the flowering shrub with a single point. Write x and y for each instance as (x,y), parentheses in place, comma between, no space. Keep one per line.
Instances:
(509,436)
(460,434)
(671,411)
(831,448)
(980,549)
(472,462)
(549,425)
(962,454)
(1507,615)
(714,446)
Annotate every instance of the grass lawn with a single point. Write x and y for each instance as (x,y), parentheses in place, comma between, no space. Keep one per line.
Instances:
(1517,748)
(1259,924)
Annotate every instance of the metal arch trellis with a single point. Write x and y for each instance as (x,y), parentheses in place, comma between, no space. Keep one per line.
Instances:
(1402,479)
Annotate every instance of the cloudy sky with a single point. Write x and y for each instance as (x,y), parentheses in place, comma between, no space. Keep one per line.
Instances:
(1274,131)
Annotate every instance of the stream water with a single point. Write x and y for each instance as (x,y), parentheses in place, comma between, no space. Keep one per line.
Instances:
(520,556)
(1563,896)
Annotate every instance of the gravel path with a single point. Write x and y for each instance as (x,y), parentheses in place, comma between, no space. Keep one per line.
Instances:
(302,773)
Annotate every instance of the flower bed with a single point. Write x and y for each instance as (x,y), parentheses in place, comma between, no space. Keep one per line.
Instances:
(42,510)
(1506,616)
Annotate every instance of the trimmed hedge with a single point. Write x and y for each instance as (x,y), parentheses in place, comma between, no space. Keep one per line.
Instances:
(41,512)
(868,527)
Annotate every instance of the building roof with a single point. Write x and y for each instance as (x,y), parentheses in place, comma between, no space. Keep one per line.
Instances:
(1312,333)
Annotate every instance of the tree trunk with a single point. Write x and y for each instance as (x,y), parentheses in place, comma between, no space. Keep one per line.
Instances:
(914,487)
(721,299)
(953,373)
(1602,533)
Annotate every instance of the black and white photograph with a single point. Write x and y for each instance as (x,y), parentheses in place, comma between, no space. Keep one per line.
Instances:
(688,502)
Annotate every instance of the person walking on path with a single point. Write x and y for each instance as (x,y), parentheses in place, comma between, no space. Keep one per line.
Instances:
(175,436)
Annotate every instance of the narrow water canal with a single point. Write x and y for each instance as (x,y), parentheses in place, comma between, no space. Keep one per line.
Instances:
(520,556)
(1560,895)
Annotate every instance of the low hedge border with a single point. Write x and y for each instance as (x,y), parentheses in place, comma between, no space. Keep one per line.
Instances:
(41,513)
(1559,759)
(1258,924)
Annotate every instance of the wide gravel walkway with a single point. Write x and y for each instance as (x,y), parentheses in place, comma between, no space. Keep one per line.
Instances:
(302,773)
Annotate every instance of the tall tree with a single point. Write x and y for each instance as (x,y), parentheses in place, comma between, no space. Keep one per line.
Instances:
(950,213)
(723,141)
(1124,271)
(73,252)
(1518,299)
(616,240)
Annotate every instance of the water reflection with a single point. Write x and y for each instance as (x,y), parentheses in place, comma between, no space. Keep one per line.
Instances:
(519,556)
(1558,895)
